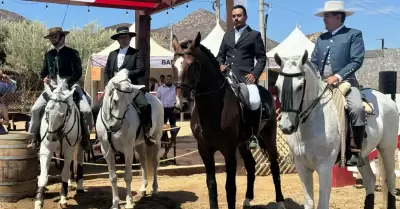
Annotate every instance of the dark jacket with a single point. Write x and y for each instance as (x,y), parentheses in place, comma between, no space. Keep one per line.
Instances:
(133,61)
(346,50)
(69,65)
(242,54)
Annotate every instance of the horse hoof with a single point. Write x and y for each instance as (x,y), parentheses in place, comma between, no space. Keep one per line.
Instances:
(129,206)
(142,193)
(281,205)
(246,202)
(38,205)
(80,192)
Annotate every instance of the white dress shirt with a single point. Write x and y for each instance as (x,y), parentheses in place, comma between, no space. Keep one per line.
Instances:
(239,32)
(121,56)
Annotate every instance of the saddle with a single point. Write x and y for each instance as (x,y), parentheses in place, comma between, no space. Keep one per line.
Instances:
(345,125)
(242,93)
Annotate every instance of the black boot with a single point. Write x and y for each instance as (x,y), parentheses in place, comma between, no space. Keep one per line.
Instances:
(255,126)
(145,117)
(356,159)
(85,142)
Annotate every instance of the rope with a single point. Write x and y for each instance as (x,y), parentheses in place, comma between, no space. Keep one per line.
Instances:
(137,164)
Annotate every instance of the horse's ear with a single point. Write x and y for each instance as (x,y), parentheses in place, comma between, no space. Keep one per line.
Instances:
(47,89)
(116,85)
(69,94)
(197,40)
(175,43)
(304,58)
(278,59)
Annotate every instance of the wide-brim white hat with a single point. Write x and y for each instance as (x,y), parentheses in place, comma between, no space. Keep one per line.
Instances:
(334,6)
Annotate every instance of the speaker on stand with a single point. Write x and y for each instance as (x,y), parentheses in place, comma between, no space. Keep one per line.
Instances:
(388,83)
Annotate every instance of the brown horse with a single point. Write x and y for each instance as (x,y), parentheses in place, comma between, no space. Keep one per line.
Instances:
(217,122)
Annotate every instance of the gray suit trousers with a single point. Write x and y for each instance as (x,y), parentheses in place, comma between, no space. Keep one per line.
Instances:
(355,105)
(41,103)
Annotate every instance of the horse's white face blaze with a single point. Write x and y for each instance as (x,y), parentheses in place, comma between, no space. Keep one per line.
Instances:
(290,90)
(179,66)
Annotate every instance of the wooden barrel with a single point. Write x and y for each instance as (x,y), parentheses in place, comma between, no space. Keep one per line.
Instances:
(18,167)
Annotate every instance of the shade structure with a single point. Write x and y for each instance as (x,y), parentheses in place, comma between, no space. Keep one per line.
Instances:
(151,6)
(293,46)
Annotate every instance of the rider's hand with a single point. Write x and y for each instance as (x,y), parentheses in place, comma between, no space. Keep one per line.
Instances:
(46,80)
(250,79)
(222,68)
(332,79)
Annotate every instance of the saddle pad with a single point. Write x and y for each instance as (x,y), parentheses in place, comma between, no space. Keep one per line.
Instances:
(244,93)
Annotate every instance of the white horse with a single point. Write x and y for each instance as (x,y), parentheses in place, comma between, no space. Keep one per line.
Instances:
(118,123)
(60,125)
(315,144)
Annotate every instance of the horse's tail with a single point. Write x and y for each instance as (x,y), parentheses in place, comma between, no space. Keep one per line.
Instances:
(150,152)
(75,159)
(383,181)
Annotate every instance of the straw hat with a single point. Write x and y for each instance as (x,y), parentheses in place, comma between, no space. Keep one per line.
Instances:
(122,30)
(334,6)
(56,30)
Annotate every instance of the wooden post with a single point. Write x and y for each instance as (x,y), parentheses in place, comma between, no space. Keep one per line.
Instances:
(142,29)
(229,7)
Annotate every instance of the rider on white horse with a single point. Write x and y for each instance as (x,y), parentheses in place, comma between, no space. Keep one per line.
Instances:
(338,54)
(132,59)
(62,62)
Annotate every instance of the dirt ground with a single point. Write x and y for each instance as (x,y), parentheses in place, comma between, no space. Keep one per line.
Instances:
(192,194)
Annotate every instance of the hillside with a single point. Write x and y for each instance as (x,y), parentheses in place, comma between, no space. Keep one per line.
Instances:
(7,15)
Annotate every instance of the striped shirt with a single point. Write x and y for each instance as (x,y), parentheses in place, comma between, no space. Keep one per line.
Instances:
(167,95)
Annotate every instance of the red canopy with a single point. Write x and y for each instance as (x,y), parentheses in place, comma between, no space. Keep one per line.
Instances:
(152,6)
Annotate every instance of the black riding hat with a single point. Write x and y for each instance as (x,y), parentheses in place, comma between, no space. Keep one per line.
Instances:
(122,30)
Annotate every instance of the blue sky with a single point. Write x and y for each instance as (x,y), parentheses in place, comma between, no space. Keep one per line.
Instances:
(375,18)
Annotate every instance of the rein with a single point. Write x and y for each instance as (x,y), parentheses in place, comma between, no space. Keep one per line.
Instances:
(302,115)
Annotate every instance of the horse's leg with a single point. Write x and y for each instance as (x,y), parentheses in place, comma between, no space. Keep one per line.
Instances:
(324,170)
(388,160)
(230,185)
(250,165)
(307,183)
(369,180)
(141,149)
(109,154)
(128,154)
(269,136)
(79,172)
(208,159)
(46,150)
(153,156)
(65,175)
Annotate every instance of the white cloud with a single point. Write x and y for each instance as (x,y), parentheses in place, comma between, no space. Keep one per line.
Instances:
(384,10)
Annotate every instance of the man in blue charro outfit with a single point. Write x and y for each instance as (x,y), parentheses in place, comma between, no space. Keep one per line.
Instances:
(338,54)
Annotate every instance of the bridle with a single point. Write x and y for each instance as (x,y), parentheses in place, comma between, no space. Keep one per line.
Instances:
(121,119)
(287,100)
(195,66)
(60,131)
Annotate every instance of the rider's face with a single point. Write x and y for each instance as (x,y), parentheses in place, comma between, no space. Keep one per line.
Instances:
(55,38)
(124,40)
(238,18)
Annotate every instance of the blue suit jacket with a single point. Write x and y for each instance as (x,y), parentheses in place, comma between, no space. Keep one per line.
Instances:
(346,49)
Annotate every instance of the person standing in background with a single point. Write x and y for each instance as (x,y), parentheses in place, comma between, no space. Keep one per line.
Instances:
(167,95)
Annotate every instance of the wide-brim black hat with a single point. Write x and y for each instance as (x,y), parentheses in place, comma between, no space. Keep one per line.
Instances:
(122,30)
(56,30)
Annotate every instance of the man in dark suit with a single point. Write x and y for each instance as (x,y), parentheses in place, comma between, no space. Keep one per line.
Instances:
(63,62)
(131,59)
(338,54)
(239,48)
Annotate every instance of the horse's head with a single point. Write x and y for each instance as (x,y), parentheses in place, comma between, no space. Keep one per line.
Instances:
(119,94)
(291,85)
(184,67)
(59,109)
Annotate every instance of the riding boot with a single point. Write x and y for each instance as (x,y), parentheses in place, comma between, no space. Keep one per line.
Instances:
(356,159)
(85,142)
(255,126)
(145,117)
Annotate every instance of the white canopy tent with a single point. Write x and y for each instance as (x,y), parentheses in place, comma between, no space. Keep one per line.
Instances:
(214,39)
(160,61)
(293,46)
